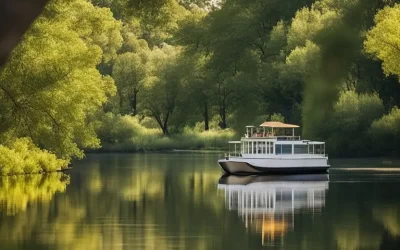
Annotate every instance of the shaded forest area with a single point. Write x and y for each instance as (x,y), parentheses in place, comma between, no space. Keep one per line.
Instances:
(134,75)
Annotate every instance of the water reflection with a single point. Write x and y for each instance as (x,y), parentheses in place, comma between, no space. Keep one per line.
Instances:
(164,201)
(268,203)
(16,192)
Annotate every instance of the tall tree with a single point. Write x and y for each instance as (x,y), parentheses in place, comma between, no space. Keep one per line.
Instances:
(162,87)
(51,88)
(383,40)
(129,72)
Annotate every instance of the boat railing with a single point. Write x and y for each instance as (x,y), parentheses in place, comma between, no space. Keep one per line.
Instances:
(278,137)
(288,138)
(234,154)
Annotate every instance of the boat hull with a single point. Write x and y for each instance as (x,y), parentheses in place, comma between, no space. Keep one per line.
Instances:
(265,166)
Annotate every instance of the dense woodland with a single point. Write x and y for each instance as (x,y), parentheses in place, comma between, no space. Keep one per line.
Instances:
(137,75)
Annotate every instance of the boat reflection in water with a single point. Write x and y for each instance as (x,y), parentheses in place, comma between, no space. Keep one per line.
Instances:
(268,203)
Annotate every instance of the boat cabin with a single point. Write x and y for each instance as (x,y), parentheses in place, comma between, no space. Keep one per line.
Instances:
(276,130)
(272,139)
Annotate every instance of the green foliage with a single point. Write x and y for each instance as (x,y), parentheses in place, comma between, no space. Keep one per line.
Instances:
(50,87)
(383,40)
(276,117)
(386,132)
(308,22)
(347,129)
(130,71)
(117,129)
(23,157)
(182,67)
(303,61)
(162,88)
(125,133)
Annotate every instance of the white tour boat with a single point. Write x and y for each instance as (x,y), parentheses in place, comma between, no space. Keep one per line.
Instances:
(270,150)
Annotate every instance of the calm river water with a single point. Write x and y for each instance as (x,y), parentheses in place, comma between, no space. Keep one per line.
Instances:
(178,201)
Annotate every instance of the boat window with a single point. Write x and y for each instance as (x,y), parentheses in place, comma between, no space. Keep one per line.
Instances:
(267,148)
(254,147)
(278,149)
(301,149)
(287,149)
(284,196)
(260,147)
(271,147)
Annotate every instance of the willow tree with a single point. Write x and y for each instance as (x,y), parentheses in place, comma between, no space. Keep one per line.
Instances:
(129,72)
(50,88)
(383,40)
(162,86)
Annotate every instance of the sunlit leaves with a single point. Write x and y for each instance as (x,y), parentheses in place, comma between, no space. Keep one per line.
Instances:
(51,86)
(383,40)
(307,23)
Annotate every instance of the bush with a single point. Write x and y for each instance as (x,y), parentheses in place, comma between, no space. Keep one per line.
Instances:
(347,129)
(385,132)
(22,157)
(126,134)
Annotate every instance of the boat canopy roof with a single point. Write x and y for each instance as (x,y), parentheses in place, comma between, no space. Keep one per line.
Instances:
(234,142)
(278,125)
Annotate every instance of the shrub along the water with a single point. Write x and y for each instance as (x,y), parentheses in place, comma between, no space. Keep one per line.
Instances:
(127,134)
(385,133)
(346,132)
(21,156)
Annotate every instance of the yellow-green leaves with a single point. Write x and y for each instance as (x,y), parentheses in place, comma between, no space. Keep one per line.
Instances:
(23,157)
(383,40)
(51,87)
(308,23)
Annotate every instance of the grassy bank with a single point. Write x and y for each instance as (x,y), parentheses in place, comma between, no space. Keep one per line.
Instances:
(127,134)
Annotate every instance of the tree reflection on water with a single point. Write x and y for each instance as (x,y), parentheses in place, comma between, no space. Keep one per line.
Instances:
(168,201)
(16,192)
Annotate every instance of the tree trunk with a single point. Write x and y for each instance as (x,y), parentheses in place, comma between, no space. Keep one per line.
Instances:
(120,101)
(165,129)
(206,119)
(134,102)
(222,114)
(165,125)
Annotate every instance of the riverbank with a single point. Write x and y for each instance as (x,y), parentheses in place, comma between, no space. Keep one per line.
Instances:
(128,134)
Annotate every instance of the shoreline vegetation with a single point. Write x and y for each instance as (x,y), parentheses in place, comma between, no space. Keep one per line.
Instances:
(127,134)
(123,76)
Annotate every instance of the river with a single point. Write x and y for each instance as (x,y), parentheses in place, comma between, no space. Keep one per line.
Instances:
(178,201)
